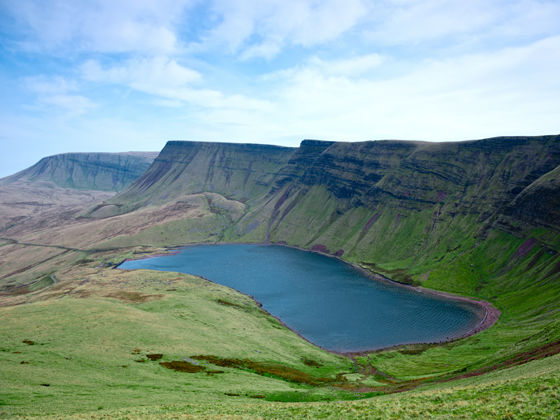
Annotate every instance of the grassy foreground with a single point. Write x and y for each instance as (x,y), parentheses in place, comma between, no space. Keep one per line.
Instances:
(83,348)
(81,345)
(529,391)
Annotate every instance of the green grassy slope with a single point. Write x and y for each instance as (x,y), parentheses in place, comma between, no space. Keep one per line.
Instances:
(528,391)
(80,345)
(238,171)
(474,218)
(83,348)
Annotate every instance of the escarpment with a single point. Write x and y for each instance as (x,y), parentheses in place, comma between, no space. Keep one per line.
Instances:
(414,199)
(87,171)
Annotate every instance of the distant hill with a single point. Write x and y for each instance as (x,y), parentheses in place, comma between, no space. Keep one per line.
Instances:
(87,171)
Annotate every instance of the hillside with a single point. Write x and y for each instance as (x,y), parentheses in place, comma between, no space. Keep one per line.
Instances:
(238,171)
(477,218)
(380,188)
(58,188)
(87,171)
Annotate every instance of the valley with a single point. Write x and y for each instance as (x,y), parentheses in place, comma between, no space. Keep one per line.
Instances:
(478,219)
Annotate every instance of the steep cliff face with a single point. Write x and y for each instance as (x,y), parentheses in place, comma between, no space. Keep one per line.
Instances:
(238,171)
(537,205)
(407,203)
(87,171)
(475,175)
(404,202)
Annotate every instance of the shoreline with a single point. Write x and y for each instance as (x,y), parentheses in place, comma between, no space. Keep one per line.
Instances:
(487,312)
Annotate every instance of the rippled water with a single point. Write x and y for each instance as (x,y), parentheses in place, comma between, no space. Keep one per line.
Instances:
(328,302)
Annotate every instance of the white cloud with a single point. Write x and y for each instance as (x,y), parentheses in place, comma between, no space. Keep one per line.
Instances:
(360,66)
(166,79)
(267,49)
(527,18)
(415,21)
(354,66)
(60,92)
(411,22)
(510,91)
(74,104)
(145,74)
(263,27)
(357,69)
(49,85)
(146,26)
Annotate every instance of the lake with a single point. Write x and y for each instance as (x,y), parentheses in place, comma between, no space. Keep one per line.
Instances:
(328,302)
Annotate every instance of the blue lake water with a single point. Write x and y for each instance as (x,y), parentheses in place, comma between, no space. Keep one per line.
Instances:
(325,300)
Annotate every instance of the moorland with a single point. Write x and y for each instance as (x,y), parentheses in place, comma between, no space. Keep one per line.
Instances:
(79,338)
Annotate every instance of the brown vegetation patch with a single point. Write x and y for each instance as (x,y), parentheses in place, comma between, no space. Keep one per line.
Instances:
(370,222)
(268,369)
(16,291)
(320,248)
(181,366)
(525,248)
(310,362)
(154,356)
(132,297)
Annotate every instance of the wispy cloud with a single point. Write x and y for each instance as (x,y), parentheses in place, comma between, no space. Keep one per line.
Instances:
(58,92)
(146,74)
(470,96)
(263,28)
(166,79)
(59,26)
(413,22)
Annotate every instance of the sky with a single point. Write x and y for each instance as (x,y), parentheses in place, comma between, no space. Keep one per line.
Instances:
(105,75)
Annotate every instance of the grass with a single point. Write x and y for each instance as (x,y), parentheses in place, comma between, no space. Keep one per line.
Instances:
(527,391)
(251,364)
(106,343)
(88,341)
(166,344)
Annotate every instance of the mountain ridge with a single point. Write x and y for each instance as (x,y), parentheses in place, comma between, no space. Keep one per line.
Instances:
(87,171)
(402,174)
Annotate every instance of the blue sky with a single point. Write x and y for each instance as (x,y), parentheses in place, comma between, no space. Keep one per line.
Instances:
(105,75)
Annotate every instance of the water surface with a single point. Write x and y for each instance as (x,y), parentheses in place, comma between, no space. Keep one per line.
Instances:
(325,300)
